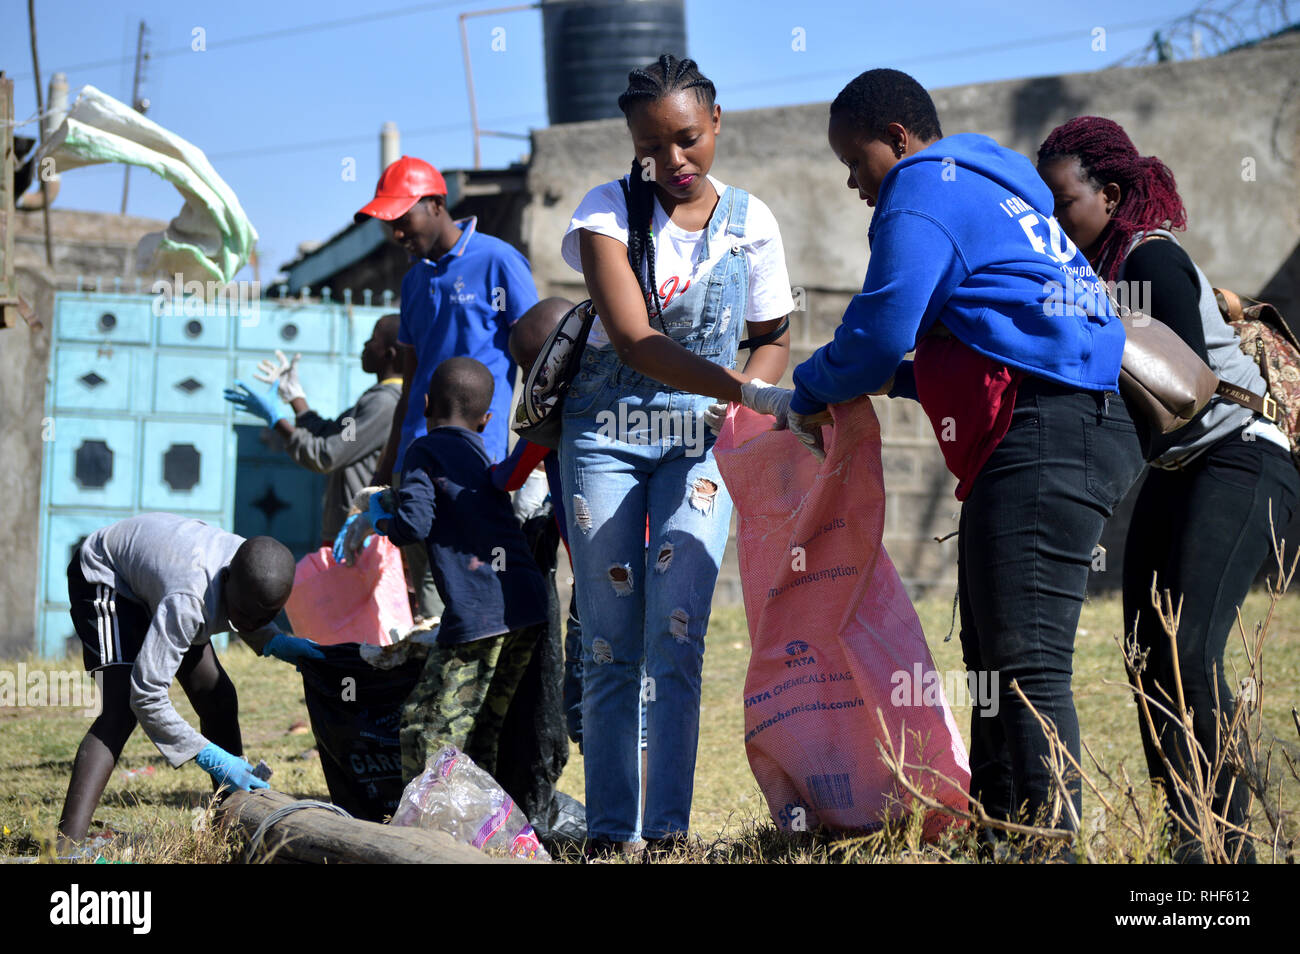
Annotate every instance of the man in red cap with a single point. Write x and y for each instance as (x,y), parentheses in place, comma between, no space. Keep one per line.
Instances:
(460,297)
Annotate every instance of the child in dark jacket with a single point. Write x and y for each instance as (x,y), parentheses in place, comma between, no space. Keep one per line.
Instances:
(495,595)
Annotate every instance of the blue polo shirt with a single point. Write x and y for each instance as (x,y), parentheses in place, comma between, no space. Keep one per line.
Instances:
(463,305)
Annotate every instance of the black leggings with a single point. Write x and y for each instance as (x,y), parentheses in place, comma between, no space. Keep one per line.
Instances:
(1204,532)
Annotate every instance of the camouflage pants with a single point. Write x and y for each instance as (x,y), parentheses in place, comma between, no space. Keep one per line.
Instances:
(462,698)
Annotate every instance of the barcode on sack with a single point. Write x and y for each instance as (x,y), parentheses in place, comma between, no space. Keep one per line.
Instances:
(829,791)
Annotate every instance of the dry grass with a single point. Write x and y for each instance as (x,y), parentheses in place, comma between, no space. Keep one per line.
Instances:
(161,811)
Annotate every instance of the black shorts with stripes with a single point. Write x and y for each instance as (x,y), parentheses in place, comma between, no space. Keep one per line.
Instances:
(111,627)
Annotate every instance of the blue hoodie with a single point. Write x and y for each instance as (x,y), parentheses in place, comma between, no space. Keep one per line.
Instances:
(964,234)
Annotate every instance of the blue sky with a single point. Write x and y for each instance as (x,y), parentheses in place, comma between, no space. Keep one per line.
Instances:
(278,115)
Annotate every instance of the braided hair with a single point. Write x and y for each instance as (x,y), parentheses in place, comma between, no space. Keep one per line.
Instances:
(1148,194)
(651,84)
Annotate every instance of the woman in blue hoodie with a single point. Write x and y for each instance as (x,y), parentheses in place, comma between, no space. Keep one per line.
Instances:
(1017,365)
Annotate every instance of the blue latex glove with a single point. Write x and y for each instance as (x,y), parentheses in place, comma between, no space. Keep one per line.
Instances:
(340,549)
(377,513)
(291,649)
(267,406)
(226,769)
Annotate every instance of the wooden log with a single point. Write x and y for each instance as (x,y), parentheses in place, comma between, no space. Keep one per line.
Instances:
(318,836)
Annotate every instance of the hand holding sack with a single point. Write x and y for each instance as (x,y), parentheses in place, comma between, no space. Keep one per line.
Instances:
(354,592)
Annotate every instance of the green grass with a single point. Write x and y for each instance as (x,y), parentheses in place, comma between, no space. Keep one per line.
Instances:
(729,813)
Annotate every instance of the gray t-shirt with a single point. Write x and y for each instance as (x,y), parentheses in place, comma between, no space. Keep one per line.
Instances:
(173,566)
(347,448)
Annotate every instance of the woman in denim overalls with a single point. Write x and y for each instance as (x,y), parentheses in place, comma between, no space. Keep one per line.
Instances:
(648,513)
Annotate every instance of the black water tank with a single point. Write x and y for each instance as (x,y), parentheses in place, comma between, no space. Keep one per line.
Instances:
(592,44)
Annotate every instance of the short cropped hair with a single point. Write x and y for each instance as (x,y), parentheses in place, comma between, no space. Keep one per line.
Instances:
(533,328)
(260,578)
(877,98)
(460,387)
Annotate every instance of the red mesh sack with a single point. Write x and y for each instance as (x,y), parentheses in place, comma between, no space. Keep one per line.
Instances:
(832,631)
(335,603)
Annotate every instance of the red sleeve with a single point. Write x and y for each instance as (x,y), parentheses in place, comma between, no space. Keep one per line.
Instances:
(511,473)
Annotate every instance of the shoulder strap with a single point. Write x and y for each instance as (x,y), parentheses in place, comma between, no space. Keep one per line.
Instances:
(739,210)
(760,340)
(1229,304)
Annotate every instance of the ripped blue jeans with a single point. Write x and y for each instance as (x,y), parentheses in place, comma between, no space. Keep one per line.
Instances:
(646,465)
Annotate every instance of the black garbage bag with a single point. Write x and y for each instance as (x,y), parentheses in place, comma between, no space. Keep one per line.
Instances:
(356,715)
(567,824)
(534,743)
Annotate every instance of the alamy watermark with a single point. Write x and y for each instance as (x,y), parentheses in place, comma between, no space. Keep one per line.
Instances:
(652,428)
(920,686)
(179,298)
(1079,297)
(24,688)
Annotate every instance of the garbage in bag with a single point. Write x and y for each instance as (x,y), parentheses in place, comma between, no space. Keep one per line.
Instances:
(831,628)
(356,715)
(365,603)
(455,796)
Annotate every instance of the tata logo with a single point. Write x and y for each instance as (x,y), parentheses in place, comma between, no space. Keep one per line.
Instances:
(796,647)
(461,296)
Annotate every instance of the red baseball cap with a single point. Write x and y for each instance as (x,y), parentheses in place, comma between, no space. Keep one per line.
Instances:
(403,184)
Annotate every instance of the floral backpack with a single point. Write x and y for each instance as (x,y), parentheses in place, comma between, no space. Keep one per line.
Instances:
(1268,339)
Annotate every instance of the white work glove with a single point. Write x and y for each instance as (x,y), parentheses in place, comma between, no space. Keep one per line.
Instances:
(715,415)
(758,395)
(283,372)
(808,428)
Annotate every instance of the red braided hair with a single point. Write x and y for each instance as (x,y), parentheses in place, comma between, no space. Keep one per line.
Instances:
(1148,194)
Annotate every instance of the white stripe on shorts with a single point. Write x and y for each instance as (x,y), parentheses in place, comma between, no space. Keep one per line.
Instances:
(99,622)
(117,637)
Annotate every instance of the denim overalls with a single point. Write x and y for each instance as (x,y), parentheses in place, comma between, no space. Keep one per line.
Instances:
(631,448)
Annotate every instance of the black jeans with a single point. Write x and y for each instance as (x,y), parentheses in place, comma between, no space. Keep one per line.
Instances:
(1203,531)
(1027,533)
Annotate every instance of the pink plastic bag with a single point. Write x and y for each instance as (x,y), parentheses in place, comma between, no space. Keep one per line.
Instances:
(831,628)
(334,603)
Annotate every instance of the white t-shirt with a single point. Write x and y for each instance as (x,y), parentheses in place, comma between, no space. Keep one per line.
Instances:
(604,211)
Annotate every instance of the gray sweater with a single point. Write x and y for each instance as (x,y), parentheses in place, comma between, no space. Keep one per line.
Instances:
(173,566)
(1184,299)
(347,448)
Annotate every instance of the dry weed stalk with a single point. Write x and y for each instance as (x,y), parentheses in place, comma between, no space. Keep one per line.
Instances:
(895,759)
(1239,742)
(1239,750)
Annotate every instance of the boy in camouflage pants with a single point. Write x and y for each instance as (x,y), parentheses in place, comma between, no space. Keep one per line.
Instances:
(462,698)
(495,596)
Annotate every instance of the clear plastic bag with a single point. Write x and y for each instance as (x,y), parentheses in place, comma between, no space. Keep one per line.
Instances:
(455,796)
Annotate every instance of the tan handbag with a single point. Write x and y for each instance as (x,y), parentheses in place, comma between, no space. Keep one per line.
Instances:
(1161,378)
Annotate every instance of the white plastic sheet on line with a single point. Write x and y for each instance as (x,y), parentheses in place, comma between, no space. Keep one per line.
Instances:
(211,239)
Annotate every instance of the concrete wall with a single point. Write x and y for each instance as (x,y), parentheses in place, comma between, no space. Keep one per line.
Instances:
(90,244)
(1203,118)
